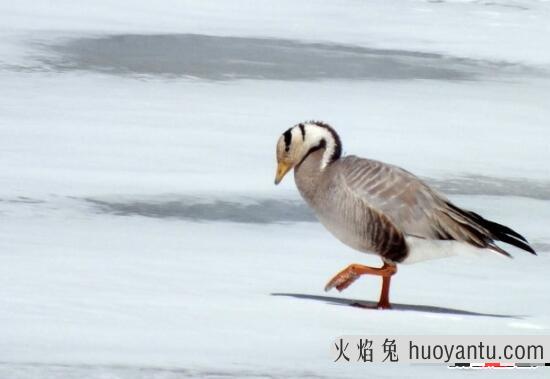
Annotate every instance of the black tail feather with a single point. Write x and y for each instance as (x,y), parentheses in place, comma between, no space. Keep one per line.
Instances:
(490,225)
(501,251)
(515,242)
(497,232)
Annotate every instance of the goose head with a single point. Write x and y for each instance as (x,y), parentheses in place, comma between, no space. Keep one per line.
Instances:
(296,143)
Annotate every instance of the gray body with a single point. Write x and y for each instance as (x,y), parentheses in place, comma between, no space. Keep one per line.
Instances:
(373,207)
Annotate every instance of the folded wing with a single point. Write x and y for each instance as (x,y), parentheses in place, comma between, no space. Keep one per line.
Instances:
(417,210)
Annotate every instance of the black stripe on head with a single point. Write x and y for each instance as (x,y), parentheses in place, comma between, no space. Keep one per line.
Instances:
(303,130)
(288,139)
(321,145)
(337,143)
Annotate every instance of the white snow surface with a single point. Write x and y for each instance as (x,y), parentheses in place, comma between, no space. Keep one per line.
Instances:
(90,293)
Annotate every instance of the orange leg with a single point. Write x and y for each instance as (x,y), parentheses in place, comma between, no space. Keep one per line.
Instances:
(350,274)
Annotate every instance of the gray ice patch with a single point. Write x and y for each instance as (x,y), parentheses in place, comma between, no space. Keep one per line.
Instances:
(492,186)
(260,211)
(230,58)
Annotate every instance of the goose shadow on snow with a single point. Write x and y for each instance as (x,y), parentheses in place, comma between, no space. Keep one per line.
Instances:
(395,306)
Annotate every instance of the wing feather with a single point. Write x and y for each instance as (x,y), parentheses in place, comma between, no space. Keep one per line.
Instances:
(417,210)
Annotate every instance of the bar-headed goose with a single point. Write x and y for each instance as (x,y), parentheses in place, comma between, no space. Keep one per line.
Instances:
(379,208)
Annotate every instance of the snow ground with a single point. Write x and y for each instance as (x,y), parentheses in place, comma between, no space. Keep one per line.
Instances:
(134,240)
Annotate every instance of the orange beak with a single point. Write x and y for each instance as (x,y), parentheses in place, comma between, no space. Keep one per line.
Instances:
(282,169)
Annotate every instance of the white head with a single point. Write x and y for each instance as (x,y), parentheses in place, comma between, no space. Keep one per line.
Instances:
(298,142)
